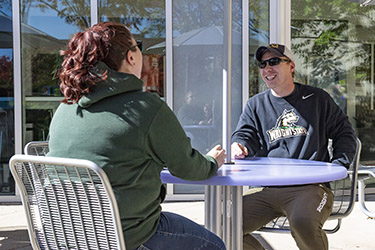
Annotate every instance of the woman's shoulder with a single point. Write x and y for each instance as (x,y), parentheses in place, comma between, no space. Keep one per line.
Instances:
(141,101)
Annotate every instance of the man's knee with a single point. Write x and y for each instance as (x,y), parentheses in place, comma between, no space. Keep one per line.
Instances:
(305,226)
(308,234)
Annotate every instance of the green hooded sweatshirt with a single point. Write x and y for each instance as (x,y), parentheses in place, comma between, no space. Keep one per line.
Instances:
(132,135)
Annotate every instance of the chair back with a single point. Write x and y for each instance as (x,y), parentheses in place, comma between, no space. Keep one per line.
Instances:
(344,192)
(40,148)
(69,203)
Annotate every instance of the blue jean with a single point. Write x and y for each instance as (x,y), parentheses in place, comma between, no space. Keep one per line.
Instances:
(177,232)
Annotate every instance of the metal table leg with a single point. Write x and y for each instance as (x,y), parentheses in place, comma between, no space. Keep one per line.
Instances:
(213,209)
(223,214)
(237,237)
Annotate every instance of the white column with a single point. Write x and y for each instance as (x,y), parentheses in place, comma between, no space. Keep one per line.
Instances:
(245,52)
(227,78)
(280,21)
(169,53)
(94,12)
(18,131)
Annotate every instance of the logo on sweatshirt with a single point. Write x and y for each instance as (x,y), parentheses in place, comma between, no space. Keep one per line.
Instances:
(286,127)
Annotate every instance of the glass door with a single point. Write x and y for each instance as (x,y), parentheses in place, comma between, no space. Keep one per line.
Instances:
(333,42)
(45,30)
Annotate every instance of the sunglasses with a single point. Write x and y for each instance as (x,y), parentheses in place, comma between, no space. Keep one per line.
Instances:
(139,45)
(272,62)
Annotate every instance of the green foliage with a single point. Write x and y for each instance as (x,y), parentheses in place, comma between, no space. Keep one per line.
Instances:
(325,36)
(6,76)
(258,18)
(143,17)
(43,71)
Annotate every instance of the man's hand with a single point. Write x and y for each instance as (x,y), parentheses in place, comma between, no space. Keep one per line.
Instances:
(219,154)
(238,151)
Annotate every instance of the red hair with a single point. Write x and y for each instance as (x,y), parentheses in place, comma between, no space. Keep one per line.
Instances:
(107,42)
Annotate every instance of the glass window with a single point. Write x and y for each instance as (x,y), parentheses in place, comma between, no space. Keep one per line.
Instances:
(46,28)
(146,21)
(198,62)
(258,36)
(333,43)
(6,97)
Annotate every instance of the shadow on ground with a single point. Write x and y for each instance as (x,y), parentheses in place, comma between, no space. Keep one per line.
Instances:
(19,239)
(16,239)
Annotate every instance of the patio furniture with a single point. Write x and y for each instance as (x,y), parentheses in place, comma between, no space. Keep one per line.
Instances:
(69,203)
(344,192)
(365,173)
(40,148)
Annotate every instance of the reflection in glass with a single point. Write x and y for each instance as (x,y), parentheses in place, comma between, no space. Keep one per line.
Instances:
(258,36)
(146,21)
(333,43)
(198,61)
(6,98)
(45,29)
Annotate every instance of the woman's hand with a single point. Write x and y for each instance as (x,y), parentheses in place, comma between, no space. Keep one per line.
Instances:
(219,154)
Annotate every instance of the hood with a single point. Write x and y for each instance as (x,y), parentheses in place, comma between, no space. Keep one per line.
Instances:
(116,83)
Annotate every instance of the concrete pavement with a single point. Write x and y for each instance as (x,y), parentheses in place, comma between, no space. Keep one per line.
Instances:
(356,231)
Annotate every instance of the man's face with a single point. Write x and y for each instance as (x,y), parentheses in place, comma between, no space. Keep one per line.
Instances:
(279,76)
(189,97)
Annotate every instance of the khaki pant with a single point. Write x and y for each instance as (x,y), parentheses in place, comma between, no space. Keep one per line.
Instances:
(307,207)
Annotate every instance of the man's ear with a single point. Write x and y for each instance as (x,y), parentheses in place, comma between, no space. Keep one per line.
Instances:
(292,67)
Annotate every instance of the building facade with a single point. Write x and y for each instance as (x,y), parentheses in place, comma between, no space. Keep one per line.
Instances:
(195,53)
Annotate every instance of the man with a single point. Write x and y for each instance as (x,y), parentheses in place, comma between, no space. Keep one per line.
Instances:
(190,113)
(291,120)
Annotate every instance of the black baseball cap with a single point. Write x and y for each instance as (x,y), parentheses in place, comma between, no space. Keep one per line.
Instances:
(278,50)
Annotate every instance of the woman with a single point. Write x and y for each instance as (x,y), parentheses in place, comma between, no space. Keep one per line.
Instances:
(106,118)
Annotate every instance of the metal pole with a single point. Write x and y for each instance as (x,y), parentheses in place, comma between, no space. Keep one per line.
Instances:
(207,206)
(217,210)
(227,80)
(227,215)
(237,237)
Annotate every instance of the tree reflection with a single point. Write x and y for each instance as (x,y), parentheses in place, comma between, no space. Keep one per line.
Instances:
(6,76)
(327,32)
(144,17)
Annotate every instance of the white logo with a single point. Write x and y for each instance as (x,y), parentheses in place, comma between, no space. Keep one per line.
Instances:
(285,127)
(307,96)
(322,203)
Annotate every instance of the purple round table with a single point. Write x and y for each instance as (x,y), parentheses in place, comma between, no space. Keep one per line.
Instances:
(262,171)
(223,191)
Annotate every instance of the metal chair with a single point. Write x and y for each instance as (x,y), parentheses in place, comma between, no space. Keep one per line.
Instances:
(40,148)
(365,173)
(344,192)
(69,203)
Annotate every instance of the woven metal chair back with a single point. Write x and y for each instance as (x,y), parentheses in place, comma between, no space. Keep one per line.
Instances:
(344,192)
(40,148)
(69,203)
